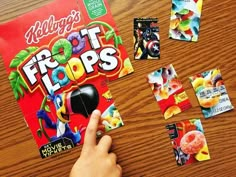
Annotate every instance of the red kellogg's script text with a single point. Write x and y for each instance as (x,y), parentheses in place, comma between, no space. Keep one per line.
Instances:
(51,26)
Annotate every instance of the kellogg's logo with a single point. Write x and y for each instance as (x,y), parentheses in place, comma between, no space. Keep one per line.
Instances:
(52,26)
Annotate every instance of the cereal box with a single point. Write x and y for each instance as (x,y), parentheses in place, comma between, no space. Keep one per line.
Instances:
(58,59)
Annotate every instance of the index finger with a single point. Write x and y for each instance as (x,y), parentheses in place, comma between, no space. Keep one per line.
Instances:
(90,134)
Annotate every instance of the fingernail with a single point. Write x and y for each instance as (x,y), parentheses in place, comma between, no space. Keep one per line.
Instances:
(97,112)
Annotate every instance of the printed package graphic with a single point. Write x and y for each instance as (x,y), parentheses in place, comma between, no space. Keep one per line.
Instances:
(185,19)
(211,93)
(168,91)
(188,141)
(146,38)
(63,56)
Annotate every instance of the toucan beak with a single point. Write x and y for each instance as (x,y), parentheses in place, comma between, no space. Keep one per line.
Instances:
(62,113)
(83,100)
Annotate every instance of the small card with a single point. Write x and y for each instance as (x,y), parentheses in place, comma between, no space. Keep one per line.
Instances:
(185,19)
(168,91)
(211,93)
(146,38)
(188,141)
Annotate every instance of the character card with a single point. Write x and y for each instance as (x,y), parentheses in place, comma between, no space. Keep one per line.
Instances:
(168,91)
(146,38)
(185,19)
(188,141)
(58,59)
(211,93)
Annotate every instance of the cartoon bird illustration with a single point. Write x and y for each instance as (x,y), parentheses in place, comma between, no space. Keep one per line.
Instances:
(79,101)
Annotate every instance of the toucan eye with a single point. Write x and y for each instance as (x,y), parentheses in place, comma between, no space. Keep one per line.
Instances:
(59,102)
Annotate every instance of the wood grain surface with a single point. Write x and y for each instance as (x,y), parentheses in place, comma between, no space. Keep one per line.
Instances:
(142,145)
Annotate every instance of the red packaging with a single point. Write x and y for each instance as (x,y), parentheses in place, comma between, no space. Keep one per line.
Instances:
(58,59)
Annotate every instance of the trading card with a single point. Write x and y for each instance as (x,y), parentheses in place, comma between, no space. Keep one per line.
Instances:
(188,141)
(211,93)
(168,91)
(185,19)
(146,38)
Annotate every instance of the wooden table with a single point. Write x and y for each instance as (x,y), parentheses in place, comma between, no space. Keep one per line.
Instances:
(142,145)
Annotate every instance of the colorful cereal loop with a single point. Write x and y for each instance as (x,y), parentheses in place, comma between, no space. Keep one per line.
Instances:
(62,56)
(55,76)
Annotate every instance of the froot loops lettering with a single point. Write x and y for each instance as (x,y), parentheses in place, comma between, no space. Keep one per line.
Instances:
(67,60)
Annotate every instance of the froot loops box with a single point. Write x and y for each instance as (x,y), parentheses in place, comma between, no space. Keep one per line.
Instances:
(58,60)
(211,93)
(185,19)
(188,141)
(168,91)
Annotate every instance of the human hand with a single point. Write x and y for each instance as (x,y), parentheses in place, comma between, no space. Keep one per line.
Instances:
(95,159)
